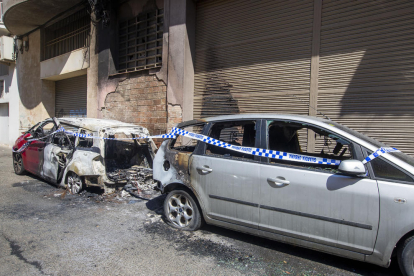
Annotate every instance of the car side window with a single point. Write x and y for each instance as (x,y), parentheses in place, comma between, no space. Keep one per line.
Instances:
(44,129)
(239,133)
(384,170)
(60,139)
(186,144)
(292,137)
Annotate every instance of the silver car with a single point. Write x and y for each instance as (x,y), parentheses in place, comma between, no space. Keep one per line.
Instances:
(355,210)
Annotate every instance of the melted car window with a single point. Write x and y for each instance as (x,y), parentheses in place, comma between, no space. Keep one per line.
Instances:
(295,138)
(186,144)
(241,133)
(44,129)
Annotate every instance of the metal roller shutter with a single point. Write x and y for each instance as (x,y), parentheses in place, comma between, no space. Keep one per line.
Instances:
(70,99)
(366,70)
(252,56)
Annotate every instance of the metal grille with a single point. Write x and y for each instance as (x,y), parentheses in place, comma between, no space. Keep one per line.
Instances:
(140,42)
(67,35)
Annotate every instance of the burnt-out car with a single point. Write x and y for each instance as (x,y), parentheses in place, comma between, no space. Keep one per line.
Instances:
(328,194)
(76,161)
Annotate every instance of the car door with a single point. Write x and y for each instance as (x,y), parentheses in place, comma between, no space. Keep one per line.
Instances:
(34,154)
(55,154)
(227,180)
(313,202)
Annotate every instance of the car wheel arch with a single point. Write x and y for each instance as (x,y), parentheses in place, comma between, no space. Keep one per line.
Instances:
(401,242)
(180,186)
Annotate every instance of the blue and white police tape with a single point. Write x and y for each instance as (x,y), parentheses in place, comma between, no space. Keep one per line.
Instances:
(22,148)
(379,152)
(247,150)
(82,135)
(257,151)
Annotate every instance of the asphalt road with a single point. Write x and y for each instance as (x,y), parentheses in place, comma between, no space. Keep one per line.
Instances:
(42,233)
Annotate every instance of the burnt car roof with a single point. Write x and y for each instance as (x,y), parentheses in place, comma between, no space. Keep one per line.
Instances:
(96,124)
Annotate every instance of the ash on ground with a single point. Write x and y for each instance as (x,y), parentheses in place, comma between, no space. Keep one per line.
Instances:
(137,179)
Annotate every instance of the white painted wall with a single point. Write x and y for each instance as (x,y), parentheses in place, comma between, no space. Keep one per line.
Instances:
(11,100)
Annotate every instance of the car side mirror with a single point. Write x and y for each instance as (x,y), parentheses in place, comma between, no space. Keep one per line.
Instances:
(352,167)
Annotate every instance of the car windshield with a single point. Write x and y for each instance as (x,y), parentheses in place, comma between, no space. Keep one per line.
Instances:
(402,156)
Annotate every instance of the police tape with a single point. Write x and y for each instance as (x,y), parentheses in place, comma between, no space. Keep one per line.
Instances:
(22,148)
(206,139)
(258,151)
(82,135)
(379,152)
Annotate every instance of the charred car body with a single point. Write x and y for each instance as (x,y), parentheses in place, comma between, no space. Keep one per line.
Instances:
(74,161)
(355,210)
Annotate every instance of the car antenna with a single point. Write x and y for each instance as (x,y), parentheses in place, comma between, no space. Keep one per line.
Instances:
(310,106)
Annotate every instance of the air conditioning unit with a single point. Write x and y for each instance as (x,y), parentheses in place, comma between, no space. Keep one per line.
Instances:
(6,49)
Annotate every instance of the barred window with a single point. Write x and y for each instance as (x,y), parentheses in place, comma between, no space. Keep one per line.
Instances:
(140,42)
(66,35)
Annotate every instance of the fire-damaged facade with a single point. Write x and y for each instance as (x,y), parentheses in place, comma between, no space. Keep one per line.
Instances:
(158,62)
(104,155)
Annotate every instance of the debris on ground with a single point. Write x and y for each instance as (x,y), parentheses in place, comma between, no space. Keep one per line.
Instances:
(138,181)
(139,185)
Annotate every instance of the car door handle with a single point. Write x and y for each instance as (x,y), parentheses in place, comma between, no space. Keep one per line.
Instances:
(204,169)
(278,181)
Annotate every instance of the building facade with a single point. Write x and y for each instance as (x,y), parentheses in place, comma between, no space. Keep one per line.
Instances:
(158,62)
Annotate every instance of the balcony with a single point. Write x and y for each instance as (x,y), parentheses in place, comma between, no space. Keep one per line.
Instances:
(22,16)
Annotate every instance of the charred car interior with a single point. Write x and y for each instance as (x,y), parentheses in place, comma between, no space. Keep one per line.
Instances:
(75,162)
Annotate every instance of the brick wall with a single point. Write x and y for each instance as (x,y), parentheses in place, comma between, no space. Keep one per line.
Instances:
(139,99)
(175,115)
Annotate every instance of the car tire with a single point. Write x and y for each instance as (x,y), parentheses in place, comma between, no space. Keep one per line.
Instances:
(181,211)
(75,183)
(406,257)
(18,164)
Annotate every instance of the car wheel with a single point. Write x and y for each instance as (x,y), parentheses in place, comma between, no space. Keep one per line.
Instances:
(18,164)
(181,211)
(406,257)
(75,184)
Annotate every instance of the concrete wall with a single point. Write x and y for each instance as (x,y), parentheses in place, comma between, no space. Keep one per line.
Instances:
(65,66)
(10,100)
(37,96)
(178,70)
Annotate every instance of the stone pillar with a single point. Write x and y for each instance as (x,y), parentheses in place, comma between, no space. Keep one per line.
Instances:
(92,75)
(179,38)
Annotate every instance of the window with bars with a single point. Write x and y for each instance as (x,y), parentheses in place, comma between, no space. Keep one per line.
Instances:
(140,42)
(67,35)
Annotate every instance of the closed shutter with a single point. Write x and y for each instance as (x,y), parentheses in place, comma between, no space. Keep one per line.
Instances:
(252,56)
(366,76)
(70,99)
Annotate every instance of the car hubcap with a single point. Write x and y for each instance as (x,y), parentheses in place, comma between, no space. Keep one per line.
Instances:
(74,184)
(180,211)
(17,162)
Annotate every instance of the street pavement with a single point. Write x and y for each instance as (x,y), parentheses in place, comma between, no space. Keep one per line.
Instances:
(45,233)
